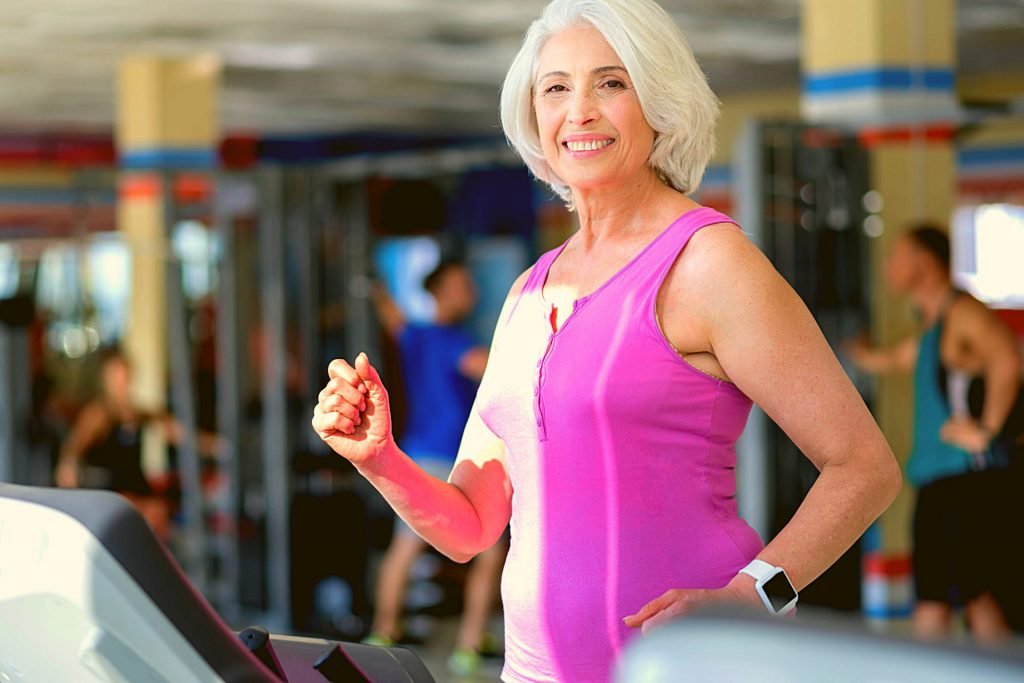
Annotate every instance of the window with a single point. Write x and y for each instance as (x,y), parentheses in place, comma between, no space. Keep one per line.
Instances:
(988,253)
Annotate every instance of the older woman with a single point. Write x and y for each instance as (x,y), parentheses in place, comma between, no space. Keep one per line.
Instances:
(622,371)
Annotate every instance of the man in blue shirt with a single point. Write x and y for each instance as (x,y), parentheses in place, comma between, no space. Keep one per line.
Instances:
(442,365)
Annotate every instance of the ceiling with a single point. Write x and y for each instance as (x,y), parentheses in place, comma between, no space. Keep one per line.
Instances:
(354,65)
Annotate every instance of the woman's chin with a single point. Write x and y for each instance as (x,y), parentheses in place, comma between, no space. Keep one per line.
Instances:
(589,183)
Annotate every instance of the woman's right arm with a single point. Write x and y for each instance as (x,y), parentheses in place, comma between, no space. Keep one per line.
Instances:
(461,517)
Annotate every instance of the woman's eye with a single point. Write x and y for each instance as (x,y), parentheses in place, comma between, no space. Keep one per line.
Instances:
(557,87)
(613,84)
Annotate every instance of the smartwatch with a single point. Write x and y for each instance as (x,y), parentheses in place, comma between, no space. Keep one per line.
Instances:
(776,590)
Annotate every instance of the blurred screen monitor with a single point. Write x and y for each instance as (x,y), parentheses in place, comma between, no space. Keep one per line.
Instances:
(495,262)
(987,245)
(402,263)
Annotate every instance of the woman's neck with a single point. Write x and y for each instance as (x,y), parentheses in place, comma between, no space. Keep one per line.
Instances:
(119,408)
(610,211)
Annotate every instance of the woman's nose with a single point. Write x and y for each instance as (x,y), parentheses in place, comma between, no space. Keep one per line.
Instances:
(582,108)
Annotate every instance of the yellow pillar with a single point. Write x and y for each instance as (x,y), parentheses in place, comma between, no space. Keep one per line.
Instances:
(885,69)
(166,121)
(879,62)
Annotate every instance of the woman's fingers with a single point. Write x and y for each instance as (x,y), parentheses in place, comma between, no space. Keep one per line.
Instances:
(327,424)
(340,369)
(370,378)
(668,606)
(673,611)
(353,400)
(649,610)
(345,410)
(337,385)
(334,406)
(354,395)
(345,397)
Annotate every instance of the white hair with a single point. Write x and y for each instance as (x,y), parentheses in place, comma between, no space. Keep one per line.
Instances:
(673,91)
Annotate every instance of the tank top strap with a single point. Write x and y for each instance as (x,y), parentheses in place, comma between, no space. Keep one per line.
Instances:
(535,280)
(539,272)
(665,250)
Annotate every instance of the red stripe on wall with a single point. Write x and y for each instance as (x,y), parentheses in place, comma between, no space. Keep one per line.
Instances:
(62,150)
(991,184)
(876,564)
(934,134)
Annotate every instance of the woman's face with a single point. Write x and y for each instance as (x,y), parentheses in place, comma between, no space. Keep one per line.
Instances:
(117,380)
(592,129)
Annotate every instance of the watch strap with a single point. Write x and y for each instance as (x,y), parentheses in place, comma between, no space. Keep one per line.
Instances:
(759,570)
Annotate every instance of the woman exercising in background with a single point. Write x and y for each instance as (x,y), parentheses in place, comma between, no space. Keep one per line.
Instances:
(104,447)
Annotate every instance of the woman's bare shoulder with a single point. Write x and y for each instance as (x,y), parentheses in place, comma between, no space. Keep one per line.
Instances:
(718,257)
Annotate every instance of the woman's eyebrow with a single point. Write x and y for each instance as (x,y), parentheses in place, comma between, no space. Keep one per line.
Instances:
(553,74)
(599,70)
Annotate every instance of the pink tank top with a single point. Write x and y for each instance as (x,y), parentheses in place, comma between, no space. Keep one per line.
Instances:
(621,457)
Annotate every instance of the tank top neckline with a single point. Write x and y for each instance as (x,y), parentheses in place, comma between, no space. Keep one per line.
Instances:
(629,264)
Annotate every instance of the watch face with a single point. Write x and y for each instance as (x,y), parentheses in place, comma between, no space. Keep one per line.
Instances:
(779,591)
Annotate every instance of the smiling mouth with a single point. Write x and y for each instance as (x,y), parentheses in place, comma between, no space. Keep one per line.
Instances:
(587,146)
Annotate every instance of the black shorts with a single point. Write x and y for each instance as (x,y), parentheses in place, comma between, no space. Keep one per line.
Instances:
(1011,593)
(961,537)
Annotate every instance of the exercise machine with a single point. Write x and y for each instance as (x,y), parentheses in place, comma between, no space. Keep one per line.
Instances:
(88,593)
(732,646)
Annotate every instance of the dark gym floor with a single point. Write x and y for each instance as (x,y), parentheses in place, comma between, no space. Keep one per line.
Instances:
(438,647)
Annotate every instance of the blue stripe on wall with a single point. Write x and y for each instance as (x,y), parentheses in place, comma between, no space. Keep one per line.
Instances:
(886,78)
(990,156)
(167,158)
(889,612)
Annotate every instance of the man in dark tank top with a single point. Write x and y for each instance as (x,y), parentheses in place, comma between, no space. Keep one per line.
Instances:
(967,446)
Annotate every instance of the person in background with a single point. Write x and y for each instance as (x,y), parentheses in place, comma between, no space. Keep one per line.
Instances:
(104,447)
(623,369)
(967,424)
(441,365)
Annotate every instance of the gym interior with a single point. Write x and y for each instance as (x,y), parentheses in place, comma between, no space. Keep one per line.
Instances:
(216,192)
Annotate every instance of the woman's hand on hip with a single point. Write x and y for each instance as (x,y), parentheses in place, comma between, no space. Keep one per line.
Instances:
(352,414)
(680,602)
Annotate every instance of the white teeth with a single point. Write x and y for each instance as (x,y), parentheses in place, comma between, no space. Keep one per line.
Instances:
(588,146)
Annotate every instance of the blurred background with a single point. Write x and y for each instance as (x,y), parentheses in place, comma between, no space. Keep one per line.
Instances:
(212,187)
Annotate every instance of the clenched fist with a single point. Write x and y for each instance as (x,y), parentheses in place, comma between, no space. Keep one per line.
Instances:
(352,414)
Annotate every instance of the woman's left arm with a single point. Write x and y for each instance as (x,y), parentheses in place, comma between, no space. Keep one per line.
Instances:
(769,345)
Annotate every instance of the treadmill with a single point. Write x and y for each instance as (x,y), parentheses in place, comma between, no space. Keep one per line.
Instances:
(88,593)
